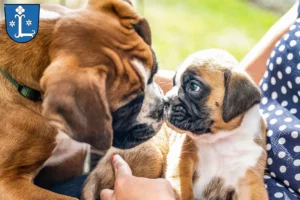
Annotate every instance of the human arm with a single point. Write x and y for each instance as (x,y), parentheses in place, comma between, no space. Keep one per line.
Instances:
(255,61)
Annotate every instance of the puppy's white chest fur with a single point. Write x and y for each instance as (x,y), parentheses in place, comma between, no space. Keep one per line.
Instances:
(227,155)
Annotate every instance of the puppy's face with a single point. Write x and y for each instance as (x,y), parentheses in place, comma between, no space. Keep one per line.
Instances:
(210,94)
(99,86)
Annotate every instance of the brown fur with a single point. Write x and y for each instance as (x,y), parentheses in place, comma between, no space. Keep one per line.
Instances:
(252,185)
(71,62)
(216,190)
(173,156)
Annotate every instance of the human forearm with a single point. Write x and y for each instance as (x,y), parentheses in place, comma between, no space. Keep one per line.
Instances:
(255,61)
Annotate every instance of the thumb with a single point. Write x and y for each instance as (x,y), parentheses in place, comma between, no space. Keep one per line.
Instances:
(107,194)
(121,167)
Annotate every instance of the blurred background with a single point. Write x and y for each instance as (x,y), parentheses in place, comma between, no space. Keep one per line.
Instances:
(181,27)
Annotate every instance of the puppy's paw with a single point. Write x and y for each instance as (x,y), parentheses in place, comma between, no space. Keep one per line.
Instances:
(102,177)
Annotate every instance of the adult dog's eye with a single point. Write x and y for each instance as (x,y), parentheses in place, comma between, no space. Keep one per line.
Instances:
(194,87)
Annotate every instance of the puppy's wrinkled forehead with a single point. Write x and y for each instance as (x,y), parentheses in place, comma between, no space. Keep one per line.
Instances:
(207,63)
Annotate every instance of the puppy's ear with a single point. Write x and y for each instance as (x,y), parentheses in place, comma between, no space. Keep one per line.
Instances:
(75,102)
(127,15)
(240,95)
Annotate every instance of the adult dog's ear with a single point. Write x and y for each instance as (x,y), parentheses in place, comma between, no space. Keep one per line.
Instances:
(75,102)
(127,15)
(240,95)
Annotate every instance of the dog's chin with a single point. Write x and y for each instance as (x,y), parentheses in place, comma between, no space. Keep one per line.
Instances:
(135,136)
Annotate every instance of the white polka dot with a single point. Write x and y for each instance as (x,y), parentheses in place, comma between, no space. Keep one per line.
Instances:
(290,56)
(284,103)
(271,107)
(282,128)
(281,141)
(272,54)
(293,43)
(281,48)
(274,95)
(265,87)
(266,177)
(288,119)
(297,177)
(273,121)
(297,80)
(282,169)
(277,43)
(269,133)
(281,154)
(264,100)
(295,134)
(298,93)
(297,34)
(295,99)
(269,147)
(292,191)
(279,112)
(270,161)
(278,195)
(271,67)
(279,185)
(273,81)
(266,115)
(289,83)
(286,183)
(278,60)
(298,66)
(279,75)
(293,27)
(266,186)
(298,20)
(273,174)
(297,149)
(288,70)
(266,74)
(293,111)
(283,90)
(297,125)
(286,36)
(297,163)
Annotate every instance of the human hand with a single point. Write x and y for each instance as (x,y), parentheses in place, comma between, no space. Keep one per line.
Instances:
(128,187)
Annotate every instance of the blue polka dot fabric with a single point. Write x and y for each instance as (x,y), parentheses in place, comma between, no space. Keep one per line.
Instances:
(280,106)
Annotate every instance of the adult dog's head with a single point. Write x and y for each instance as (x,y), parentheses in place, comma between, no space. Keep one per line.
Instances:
(210,94)
(99,86)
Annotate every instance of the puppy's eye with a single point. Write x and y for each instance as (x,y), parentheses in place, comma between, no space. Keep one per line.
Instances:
(194,87)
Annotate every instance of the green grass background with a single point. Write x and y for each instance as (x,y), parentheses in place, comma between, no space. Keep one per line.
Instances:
(181,27)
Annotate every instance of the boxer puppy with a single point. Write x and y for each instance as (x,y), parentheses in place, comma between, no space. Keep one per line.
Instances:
(220,153)
(94,68)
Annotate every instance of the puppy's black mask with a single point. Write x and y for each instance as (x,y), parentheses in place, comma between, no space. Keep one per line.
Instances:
(188,110)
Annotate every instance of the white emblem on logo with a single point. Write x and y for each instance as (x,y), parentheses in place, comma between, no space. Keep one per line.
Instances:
(20,10)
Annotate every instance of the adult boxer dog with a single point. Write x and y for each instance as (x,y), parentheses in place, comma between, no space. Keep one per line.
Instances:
(94,68)
(222,155)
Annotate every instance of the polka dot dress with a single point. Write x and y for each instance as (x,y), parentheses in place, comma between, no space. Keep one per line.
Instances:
(280,106)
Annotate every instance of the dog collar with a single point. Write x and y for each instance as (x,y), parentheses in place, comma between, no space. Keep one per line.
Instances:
(25,91)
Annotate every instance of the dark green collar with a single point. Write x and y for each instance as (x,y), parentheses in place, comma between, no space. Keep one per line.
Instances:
(27,92)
